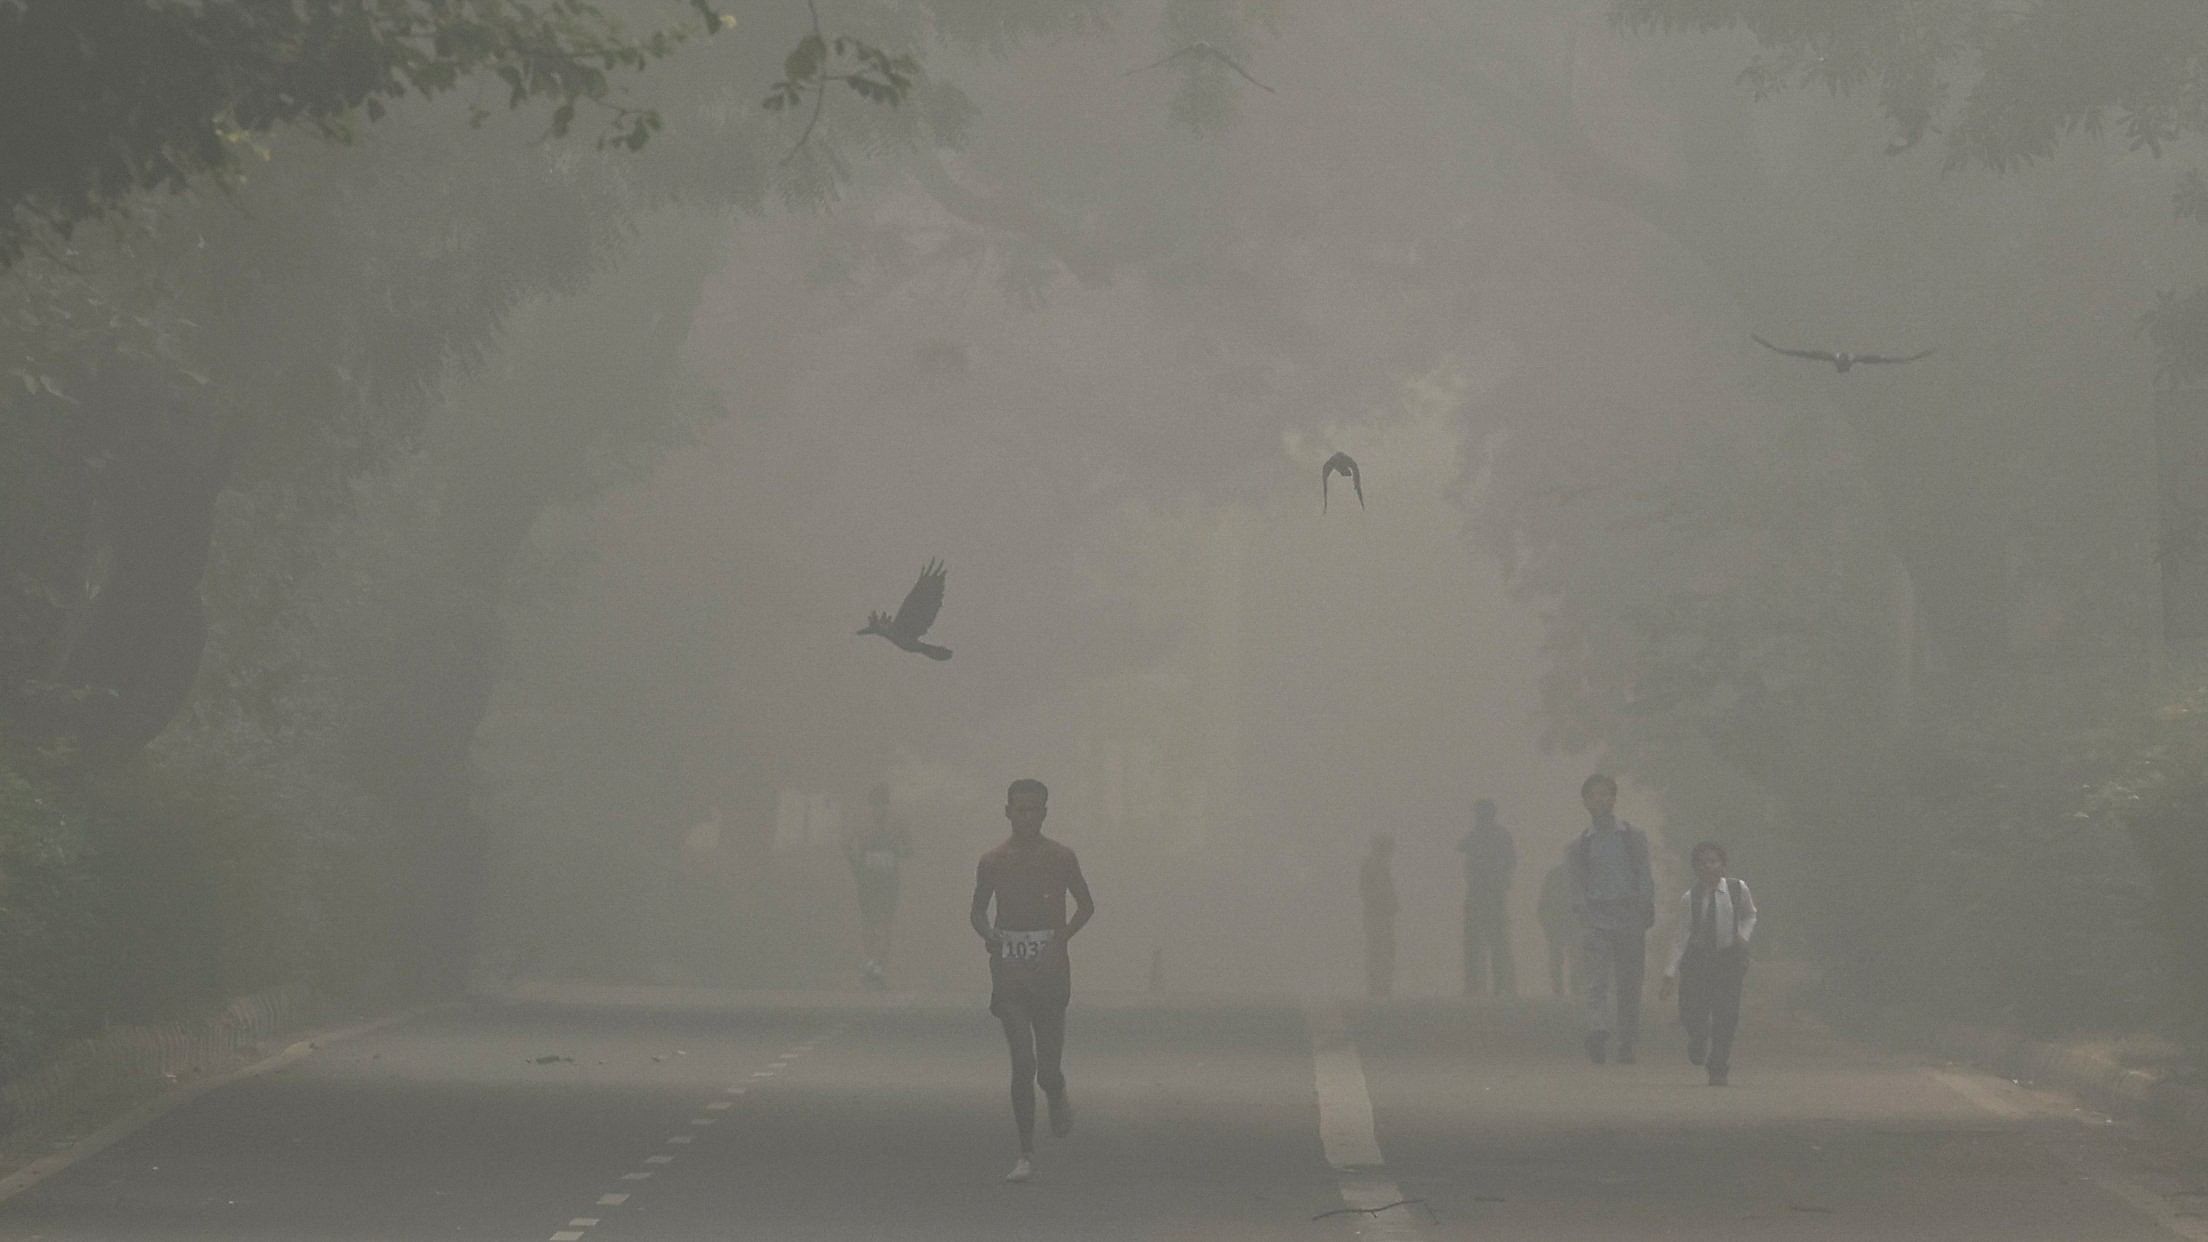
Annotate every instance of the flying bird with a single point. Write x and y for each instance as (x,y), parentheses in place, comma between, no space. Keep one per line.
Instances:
(1202,50)
(915,615)
(1341,463)
(1840,362)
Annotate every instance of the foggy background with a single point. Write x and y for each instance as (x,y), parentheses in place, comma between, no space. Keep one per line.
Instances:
(539,490)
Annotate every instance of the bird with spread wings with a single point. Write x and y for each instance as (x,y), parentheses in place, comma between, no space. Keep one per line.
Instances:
(1202,50)
(1841,361)
(915,615)
(1341,463)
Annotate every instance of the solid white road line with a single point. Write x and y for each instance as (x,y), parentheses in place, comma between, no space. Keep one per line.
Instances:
(1346,1131)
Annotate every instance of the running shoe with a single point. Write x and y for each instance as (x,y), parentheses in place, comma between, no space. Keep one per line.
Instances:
(1020,1172)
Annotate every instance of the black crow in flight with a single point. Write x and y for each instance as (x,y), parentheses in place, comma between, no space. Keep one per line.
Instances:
(1205,51)
(1840,362)
(915,615)
(1340,463)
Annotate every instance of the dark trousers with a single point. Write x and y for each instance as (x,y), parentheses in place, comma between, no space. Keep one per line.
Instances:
(1487,947)
(1709,999)
(1614,962)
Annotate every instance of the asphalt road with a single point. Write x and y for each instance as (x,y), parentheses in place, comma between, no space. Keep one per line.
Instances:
(707,1116)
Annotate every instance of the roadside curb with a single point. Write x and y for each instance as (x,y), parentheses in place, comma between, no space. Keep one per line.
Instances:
(165,1052)
(256,1014)
(2104,1081)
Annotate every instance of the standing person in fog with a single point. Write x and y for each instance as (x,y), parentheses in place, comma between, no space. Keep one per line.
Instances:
(1489,860)
(1030,974)
(876,853)
(1614,899)
(1710,962)
(1376,887)
(1559,930)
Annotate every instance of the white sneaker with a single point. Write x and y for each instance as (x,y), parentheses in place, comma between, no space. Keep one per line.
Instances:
(1020,1172)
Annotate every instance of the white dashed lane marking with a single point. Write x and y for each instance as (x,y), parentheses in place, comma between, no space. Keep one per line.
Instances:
(576,1228)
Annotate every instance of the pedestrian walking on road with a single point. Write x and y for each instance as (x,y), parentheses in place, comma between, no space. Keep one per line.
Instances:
(1489,860)
(1376,887)
(1030,975)
(876,853)
(1710,961)
(1560,930)
(1614,900)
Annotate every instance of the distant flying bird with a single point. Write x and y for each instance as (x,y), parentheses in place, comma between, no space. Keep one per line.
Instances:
(1341,463)
(915,615)
(1205,51)
(1840,362)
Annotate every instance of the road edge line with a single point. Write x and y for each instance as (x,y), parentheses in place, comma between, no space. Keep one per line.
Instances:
(167,1102)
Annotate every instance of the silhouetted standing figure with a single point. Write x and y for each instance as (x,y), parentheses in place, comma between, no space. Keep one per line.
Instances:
(876,853)
(1490,858)
(915,615)
(1376,886)
(1614,897)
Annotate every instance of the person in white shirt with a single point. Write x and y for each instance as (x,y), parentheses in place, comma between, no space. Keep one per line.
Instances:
(1710,961)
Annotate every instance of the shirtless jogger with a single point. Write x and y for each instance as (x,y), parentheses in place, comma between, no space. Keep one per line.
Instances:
(1030,976)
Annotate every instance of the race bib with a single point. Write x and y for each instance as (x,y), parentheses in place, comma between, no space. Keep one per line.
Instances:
(1023,946)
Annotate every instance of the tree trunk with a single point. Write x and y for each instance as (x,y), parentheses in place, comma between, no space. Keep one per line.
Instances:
(123,665)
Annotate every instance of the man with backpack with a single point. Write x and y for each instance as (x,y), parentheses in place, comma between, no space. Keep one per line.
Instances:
(1710,962)
(1614,900)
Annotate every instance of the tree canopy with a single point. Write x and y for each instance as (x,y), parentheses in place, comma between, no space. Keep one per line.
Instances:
(2000,84)
(104,98)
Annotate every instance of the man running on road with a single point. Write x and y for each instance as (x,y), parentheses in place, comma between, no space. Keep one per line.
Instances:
(1030,975)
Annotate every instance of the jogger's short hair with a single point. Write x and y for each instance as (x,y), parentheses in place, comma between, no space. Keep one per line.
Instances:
(1713,847)
(1027,784)
(1587,786)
